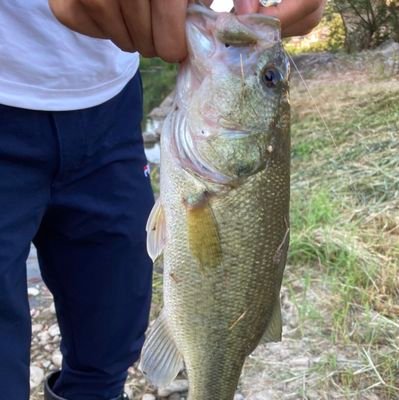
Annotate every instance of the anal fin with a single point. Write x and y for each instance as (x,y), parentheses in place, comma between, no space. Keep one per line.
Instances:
(160,361)
(274,328)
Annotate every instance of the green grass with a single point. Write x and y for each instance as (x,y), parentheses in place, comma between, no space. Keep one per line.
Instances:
(345,227)
(343,273)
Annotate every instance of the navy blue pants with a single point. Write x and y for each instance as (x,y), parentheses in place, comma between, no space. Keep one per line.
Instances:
(75,184)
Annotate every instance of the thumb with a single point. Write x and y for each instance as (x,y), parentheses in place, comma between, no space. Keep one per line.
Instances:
(246,6)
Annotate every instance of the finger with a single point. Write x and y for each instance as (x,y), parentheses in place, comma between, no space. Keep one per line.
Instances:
(289,12)
(108,16)
(304,26)
(246,6)
(75,17)
(137,17)
(168,22)
(204,2)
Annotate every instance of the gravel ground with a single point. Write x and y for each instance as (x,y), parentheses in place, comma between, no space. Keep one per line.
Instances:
(45,354)
(46,357)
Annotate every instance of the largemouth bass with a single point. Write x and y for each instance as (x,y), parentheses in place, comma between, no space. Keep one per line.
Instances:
(222,221)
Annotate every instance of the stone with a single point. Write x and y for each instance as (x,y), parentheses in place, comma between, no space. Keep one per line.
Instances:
(150,137)
(177,386)
(36,376)
(32,291)
(174,396)
(43,337)
(37,328)
(129,392)
(239,396)
(54,330)
(148,396)
(265,395)
(300,362)
(56,358)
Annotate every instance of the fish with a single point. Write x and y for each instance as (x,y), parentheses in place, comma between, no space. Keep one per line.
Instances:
(221,223)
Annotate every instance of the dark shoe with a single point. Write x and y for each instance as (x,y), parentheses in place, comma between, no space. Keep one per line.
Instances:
(50,395)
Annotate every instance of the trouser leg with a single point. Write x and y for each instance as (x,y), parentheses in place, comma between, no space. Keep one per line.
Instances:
(27,163)
(91,248)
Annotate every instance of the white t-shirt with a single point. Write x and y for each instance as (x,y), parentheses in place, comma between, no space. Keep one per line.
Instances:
(45,66)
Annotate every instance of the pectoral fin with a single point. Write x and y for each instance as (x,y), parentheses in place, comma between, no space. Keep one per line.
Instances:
(156,231)
(203,234)
(160,358)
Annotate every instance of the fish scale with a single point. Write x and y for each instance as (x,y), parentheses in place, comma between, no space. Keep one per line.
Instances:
(225,219)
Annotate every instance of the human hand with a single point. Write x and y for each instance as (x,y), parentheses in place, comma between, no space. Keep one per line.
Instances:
(148,26)
(298,17)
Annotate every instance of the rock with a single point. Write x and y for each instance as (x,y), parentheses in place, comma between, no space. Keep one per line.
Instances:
(148,396)
(300,362)
(36,376)
(265,395)
(150,137)
(52,308)
(389,46)
(174,396)
(54,330)
(32,291)
(43,337)
(239,396)
(129,392)
(37,328)
(390,53)
(57,358)
(177,386)
(48,348)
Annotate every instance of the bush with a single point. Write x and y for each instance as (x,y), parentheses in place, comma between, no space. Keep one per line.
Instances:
(159,79)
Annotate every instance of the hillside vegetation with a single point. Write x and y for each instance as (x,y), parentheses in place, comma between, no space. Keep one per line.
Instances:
(341,288)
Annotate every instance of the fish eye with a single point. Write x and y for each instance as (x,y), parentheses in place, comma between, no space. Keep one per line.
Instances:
(271,76)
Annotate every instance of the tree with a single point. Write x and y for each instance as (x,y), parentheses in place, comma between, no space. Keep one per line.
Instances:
(368,22)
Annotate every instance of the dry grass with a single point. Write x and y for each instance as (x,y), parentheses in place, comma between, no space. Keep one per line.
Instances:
(342,284)
(341,288)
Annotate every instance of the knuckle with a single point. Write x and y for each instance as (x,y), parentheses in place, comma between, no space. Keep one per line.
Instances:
(125,46)
(93,5)
(148,53)
(128,48)
(172,57)
(171,54)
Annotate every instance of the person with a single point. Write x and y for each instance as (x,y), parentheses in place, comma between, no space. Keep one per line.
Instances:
(74,178)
